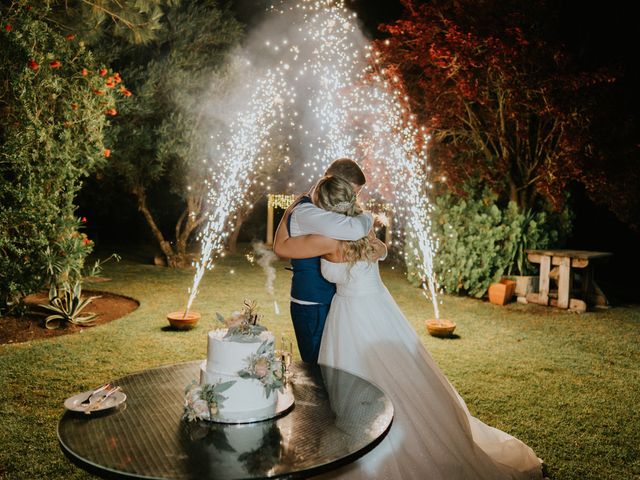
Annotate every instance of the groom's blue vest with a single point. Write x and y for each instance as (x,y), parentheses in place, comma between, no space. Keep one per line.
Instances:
(308,284)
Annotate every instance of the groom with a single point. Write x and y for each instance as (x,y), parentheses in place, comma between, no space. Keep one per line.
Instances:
(311,294)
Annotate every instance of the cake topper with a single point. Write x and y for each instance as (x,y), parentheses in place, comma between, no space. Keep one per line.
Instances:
(243,326)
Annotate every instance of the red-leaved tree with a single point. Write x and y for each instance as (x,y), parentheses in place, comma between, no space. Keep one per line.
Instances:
(500,97)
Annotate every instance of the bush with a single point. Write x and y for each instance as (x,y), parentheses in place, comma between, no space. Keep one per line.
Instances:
(64,259)
(54,104)
(478,241)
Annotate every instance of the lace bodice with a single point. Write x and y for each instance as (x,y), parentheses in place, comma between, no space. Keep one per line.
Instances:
(360,279)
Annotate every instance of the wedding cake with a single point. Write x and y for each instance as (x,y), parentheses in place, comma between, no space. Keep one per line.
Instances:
(241,375)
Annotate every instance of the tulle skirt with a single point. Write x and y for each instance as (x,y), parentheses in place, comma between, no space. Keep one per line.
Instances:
(433,435)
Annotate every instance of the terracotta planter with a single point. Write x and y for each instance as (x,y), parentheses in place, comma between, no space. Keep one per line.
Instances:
(502,293)
(440,328)
(181,322)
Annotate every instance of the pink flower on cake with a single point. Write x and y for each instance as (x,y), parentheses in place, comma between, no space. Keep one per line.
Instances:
(262,367)
(235,319)
(201,407)
(202,402)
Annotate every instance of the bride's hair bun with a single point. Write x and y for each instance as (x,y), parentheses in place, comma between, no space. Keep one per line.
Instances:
(336,194)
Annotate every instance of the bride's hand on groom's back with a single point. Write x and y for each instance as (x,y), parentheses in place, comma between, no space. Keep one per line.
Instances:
(379,247)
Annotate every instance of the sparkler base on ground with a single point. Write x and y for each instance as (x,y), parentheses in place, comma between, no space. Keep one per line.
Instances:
(440,328)
(179,321)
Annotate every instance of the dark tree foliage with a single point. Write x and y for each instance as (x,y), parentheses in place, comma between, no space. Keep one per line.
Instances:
(94,20)
(504,100)
(161,135)
(55,102)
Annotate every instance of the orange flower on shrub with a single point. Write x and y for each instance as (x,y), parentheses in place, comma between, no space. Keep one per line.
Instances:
(74,106)
(70,36)
(33,65)
(98,92)
(55,64)
(116,77)
(110,83)
(107,153)
(103,72)
(85,72)
(124,91)
(111,111)
(7,28)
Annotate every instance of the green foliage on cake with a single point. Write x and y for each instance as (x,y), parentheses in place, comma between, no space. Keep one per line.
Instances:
(202,402)
(266,367)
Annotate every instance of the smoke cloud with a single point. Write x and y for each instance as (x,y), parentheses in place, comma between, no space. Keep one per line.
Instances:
(304,89)
(265,257)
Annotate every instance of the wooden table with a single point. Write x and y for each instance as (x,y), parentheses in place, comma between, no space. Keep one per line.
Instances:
(561,265)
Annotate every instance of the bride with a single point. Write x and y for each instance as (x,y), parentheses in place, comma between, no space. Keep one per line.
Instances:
(433,435)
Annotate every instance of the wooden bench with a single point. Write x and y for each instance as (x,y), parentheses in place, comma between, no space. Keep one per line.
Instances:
(560,265)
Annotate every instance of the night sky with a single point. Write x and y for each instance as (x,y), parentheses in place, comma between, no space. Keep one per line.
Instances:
(598,34)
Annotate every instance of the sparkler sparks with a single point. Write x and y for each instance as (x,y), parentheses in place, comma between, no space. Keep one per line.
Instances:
(319,91)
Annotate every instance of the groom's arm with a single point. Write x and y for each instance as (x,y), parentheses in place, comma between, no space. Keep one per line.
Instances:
(308,219)
(302,246)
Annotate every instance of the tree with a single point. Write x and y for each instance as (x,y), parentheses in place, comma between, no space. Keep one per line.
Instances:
(498,96)
(56,101)
(134,22)
(163,135)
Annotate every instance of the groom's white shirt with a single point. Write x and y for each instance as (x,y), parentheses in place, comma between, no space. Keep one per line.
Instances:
(307,219)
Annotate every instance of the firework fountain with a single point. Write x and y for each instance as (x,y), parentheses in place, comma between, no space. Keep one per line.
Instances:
(320,87)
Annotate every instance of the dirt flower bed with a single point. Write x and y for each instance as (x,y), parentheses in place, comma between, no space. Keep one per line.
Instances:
(108,306)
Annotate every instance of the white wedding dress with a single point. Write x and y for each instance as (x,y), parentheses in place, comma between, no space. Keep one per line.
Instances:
(433,435)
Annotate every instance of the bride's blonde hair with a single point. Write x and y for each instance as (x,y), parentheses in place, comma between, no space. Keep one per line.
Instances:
(336,194)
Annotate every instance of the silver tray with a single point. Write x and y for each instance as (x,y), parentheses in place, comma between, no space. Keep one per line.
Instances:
(283,405)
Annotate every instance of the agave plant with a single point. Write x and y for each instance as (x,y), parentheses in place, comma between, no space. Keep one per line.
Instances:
(67,304)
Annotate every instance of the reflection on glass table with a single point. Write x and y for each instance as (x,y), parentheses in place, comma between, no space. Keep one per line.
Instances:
(336,418)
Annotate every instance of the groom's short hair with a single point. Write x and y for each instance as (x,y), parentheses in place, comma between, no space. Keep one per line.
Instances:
(347,169)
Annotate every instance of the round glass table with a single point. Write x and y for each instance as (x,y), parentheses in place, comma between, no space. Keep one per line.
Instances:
(337,417)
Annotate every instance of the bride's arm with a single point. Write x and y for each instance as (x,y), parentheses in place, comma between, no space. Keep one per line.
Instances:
(304,246)
(379,247)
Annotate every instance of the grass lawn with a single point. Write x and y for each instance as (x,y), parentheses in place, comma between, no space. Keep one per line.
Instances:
(566,384)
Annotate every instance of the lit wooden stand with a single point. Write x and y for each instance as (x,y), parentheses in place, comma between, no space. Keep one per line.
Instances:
(276,200)
(560,265)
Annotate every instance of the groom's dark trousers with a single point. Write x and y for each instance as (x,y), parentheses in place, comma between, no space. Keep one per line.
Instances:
(308,323)
(308,285)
